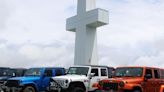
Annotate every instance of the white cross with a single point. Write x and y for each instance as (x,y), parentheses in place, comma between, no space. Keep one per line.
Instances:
(84,24)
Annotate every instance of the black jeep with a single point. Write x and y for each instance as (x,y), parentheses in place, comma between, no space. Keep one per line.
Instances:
(6,73)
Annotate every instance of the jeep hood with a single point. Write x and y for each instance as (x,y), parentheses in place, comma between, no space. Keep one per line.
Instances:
(4,78)
(124,79)
(25,78)
(70,77)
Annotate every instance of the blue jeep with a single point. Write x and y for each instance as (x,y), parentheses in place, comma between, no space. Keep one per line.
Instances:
(34,80)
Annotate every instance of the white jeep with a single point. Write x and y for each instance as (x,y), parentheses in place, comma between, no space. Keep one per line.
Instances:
(80,78)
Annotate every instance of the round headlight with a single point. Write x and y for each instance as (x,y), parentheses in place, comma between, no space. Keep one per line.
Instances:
(66,81)
(121,84)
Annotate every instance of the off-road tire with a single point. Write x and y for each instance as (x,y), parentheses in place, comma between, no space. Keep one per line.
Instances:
(136,90)
(29,89)
(78,89)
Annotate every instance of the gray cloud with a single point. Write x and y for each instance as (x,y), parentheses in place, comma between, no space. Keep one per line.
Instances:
(29,55)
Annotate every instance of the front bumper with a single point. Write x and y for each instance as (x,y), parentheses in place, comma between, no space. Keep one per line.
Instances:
(11,89)
(1,87)
(1,90)
(57,89)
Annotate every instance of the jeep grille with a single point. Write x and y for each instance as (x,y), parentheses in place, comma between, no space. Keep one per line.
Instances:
(12,83)
(110,86)
(60,82)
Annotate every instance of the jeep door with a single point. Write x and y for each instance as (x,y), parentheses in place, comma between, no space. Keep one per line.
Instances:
(46,78)
(95,78)
(157,81)
(149,85)
(103,73)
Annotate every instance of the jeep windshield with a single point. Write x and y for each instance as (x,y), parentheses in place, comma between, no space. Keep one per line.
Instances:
(78,70)
(6,72)
(128,72)
(19,72)
(33,72)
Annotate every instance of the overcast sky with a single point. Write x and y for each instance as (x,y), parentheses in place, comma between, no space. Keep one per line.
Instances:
(32,33)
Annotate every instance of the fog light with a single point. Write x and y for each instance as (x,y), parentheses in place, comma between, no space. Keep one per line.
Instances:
(66,81)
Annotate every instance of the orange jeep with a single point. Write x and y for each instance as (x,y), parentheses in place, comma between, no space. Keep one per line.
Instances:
(133,79)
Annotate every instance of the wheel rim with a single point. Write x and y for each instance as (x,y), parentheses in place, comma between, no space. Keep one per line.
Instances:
(29,90)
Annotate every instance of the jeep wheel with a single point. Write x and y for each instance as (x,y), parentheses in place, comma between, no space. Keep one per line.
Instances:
(78,89)
(136,90)
(29,89)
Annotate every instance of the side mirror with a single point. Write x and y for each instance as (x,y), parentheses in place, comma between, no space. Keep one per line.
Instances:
(91,75)
(147,76)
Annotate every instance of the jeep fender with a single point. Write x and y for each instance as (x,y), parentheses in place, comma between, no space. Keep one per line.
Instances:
(77,84)
(133,86)
(138,87)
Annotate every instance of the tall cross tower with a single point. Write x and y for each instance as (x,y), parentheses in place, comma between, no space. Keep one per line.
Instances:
(85,23)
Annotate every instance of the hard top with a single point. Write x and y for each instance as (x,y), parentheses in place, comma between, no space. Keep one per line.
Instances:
(92,66)
(48,67)
(138,67)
